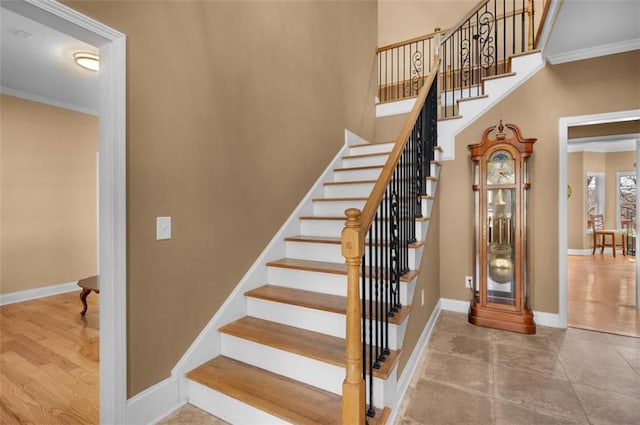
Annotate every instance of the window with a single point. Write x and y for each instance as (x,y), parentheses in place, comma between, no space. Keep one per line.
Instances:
(595,195)
(626,200)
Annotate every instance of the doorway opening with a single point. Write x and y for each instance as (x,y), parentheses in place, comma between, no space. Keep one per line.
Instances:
(598,174)
(111,192)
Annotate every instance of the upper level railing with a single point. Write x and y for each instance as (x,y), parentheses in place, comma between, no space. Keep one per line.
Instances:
(375,243)
(477,47)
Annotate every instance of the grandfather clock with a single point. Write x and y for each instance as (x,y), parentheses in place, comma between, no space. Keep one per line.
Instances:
(501,187)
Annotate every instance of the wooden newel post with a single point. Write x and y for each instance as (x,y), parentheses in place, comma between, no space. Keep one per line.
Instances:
(353,399)
(530,15)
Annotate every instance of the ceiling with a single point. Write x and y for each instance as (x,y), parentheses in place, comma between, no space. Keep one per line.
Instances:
(36,62)
(579,29)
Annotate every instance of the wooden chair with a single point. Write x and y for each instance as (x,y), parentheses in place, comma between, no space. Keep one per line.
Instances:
(600,235)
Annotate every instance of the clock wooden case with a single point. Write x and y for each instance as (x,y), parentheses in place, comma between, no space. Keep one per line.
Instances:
(501,189)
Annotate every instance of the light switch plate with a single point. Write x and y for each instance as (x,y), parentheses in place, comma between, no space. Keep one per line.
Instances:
(163,228)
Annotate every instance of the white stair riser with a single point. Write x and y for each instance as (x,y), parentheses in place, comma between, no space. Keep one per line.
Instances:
(338,208)
(325,322)
(304,369)
(326,283)
(357,174)
(228,408)
(335,208)
(333,228)
(331,252)
(451,97)
(364,161)
(352,190)
(373,148)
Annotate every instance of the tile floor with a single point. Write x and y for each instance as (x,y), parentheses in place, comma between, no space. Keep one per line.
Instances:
(470,375)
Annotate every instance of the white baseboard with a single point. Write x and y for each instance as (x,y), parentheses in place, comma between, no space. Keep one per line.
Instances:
(579,251)
(410,368)
(32,294)
(458,306)
(154,403)
(551,320)
(541,318)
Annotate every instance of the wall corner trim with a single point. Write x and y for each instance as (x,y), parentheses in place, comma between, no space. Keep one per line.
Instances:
(154,403)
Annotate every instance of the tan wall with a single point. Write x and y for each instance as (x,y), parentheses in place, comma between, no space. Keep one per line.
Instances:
(428,281)
(48,188)
(605,84)
(579,164)
(388,128)
(233,111)
(400,20)
(576,202)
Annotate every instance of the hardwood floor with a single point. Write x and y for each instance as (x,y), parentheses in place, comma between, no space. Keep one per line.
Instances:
(49,361)
(602,292)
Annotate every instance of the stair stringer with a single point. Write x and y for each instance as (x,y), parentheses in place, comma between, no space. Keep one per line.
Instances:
(208,343)
(524,67)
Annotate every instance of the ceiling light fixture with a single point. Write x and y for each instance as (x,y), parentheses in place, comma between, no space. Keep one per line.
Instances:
(88,61)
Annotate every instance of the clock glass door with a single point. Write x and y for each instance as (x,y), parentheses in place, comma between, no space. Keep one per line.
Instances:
(500,264)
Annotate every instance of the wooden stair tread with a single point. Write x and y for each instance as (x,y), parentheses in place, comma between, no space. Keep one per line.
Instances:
(344,218)
(314,345)
(364,167)
(338,241)
(466,99)
(371,144)
(451,117)
(285,398)
(324,267)
(278,395)
(498,76)
(350,182)
(337,199)
(316,300)
(366,155)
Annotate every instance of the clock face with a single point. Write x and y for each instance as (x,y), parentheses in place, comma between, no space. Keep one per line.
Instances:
(501,172)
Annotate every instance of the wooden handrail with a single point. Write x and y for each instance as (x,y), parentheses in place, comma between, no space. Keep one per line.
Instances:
(462,21)
(409,41)
(370,208)
(543,18)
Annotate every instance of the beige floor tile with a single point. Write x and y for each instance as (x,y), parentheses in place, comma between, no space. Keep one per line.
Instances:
(601,376)
(461,346)
(624,341)
(534,390)
(189,415)
(534,342)
(512,414)
(631,355)
(591,351)
(608,408)
(457,323)
(439,404)
(468,374)
(520,357)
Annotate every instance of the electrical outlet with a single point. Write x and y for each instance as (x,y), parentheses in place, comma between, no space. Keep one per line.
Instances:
(468,281)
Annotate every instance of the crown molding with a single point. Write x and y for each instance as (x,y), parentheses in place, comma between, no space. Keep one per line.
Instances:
(48,101)
(592,52)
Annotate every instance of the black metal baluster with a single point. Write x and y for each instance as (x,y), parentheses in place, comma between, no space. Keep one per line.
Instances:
(504,36)
(513,27)
(495,35)
(522,30)
(371,412)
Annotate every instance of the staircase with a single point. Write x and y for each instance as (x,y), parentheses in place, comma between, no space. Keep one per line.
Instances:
(459,110)
(284,362)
